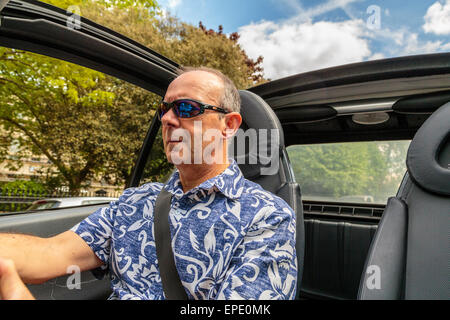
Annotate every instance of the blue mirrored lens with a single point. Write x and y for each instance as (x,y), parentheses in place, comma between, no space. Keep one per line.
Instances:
(186,109)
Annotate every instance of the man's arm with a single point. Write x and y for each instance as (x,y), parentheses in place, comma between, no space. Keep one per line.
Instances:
(11,286)
(86,246)
(40,259)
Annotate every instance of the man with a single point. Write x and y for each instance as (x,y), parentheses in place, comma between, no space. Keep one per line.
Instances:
(231,239)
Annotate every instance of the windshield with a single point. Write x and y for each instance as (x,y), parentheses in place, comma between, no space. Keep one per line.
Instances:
(356,172)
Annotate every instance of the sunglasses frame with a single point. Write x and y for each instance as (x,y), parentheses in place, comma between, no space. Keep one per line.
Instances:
(203,107)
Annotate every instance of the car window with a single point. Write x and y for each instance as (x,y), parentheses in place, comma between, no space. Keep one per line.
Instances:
(357,172)
(66,131)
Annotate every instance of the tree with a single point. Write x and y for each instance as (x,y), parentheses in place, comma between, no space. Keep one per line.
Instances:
(330,170)
(347,169)
(78,118)
(108,4)
(184,43)
(88,124)
(17,186)
(343,169)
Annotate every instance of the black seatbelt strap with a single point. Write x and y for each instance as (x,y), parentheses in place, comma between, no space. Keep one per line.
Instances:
(171,283)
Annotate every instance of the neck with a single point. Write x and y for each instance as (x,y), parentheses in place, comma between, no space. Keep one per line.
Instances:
(193,175)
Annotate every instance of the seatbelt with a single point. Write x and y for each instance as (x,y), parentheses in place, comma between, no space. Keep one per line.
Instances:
(171,283)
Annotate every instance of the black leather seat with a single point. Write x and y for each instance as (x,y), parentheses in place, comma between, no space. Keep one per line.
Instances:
(265,161)
(410,252)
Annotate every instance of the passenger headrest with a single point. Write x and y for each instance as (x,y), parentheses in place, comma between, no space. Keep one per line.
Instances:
(428,159)
(256,146)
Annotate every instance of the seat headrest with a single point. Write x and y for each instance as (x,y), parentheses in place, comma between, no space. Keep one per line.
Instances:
(428,159)
(257,144)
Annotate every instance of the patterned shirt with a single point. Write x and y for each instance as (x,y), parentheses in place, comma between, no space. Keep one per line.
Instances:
(231,240)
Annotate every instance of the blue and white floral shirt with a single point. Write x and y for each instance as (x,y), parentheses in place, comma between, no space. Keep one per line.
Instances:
(231,240)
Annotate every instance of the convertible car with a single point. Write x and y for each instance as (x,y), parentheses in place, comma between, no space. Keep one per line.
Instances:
(386,239)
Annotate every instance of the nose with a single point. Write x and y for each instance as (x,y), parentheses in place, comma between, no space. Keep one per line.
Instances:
(170,119)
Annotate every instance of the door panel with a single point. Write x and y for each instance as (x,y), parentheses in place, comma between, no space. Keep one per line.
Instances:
(336,246)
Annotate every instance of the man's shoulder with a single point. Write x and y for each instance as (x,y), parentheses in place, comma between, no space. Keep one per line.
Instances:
(255,194)
(147,191)
(266,214)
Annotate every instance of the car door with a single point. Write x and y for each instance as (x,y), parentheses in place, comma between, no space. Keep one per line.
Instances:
(42,29)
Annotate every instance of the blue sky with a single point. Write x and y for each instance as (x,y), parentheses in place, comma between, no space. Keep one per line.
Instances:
(297,36)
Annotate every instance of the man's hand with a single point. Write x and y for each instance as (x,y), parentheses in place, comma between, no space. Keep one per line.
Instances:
(11,286)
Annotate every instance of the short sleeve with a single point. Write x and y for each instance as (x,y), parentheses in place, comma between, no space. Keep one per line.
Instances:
(96,231)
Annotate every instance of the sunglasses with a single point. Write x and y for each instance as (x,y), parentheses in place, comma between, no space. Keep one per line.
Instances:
(186,108)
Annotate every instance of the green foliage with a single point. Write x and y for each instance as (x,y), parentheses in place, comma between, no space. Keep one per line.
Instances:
(157,167)
(198,46)
(88,124)
(80,119)
(26,186)
(181,42)
(110,4)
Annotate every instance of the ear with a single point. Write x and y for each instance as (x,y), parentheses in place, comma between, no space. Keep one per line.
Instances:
(233,121)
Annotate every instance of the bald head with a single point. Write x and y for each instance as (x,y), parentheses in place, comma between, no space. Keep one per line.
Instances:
(229,98)
(204,86)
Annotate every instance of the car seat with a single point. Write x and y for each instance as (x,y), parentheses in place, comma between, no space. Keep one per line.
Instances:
(409,256)
(263,159)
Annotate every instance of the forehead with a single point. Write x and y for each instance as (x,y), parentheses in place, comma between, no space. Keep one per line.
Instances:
(198,85)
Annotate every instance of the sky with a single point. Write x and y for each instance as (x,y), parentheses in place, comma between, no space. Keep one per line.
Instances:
(296,36)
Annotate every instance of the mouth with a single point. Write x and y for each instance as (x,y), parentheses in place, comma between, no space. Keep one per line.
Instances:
(173,136)
(175,141)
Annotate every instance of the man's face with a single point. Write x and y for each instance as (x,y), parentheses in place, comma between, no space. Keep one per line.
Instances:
(179,135)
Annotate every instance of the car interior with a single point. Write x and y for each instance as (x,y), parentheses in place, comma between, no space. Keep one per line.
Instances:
(405,98)
(409,245)
(257,114)
(321,106)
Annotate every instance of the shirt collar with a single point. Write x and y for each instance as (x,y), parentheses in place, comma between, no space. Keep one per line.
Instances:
(230,183)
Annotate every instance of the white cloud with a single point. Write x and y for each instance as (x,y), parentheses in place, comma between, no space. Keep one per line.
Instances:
(301,44)
(414,46)
(402,42)
(173,3)
(293,47)
(377,56)
(298,44)
(327,7)
(437,18)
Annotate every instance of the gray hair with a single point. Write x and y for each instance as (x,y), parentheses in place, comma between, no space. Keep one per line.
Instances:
(230,99)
